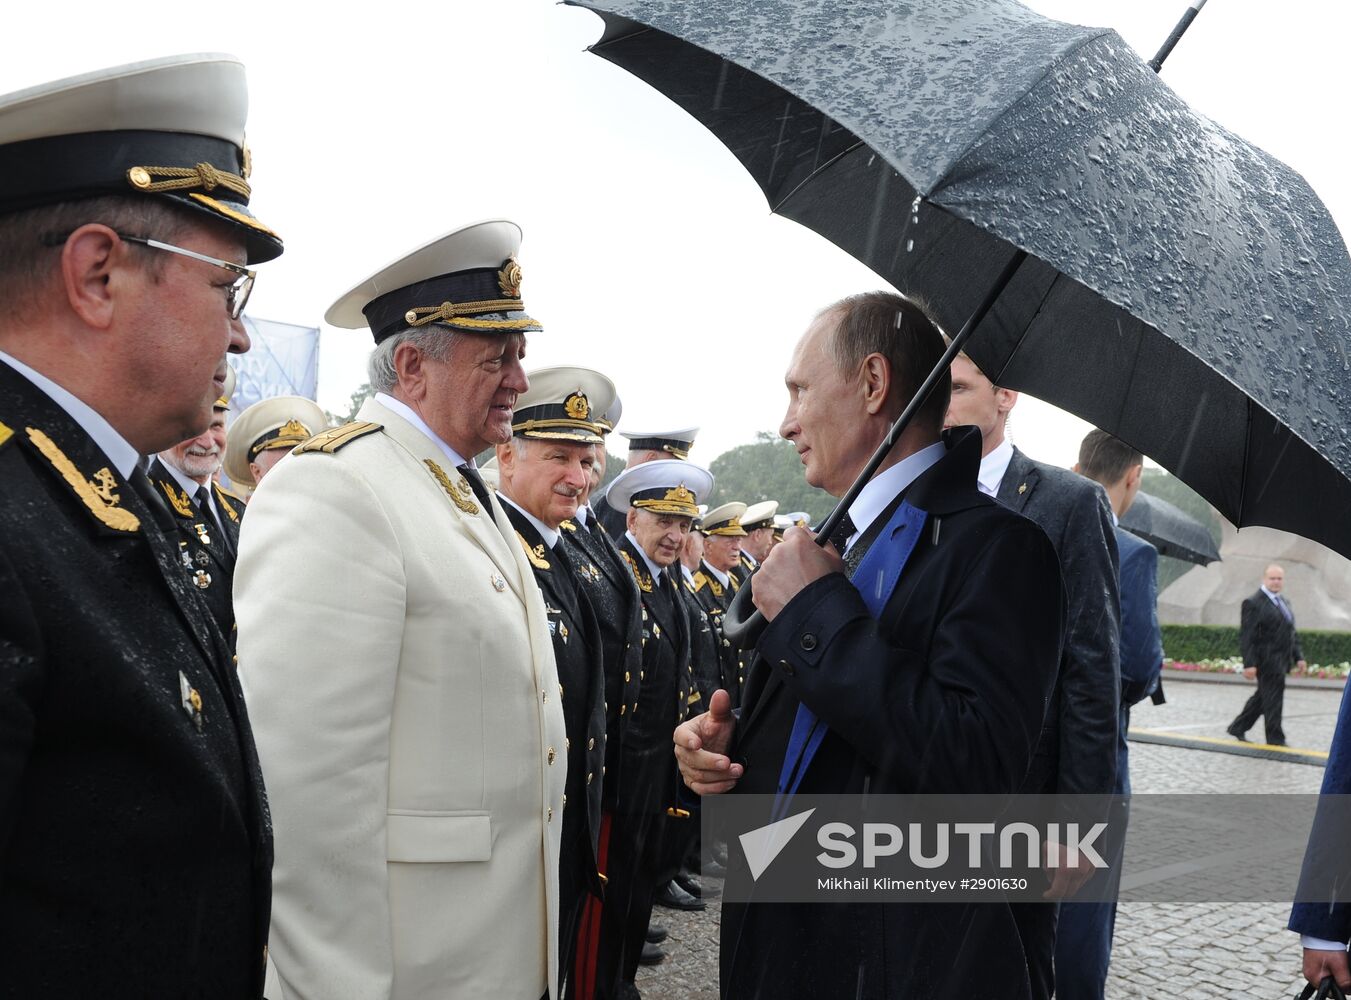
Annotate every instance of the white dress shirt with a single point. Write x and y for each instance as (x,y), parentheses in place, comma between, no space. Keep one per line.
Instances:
(874,498)
(550,535)
(718,574)
(119,451)
(409,414)
(993,466)
(652,567)
(191,486)
(583,512)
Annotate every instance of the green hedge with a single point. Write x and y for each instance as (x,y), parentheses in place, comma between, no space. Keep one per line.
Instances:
(1193,643)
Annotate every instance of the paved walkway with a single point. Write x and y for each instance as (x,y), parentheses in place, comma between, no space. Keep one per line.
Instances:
(1240,951)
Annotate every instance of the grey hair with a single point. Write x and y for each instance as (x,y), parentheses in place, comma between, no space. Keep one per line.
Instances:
(434,341)
(25,268)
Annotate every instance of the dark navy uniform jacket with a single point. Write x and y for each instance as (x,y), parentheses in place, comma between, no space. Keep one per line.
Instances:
(207,551)
(135,843)
(943,693)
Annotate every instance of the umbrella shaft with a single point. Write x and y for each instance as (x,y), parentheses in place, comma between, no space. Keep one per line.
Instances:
(1178,31)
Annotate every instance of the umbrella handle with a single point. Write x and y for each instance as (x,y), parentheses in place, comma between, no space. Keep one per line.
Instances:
(1328,988)
(1179,30)
(742,624)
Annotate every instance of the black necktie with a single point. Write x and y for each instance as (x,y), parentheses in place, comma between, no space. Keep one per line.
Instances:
(203,497)
(1284,610)
(476,484)
(559,556)
(840,536)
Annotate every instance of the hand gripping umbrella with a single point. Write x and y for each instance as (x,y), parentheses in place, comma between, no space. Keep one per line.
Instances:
(1181,289)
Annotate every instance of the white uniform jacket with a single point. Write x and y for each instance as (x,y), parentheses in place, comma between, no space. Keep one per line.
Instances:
(396,659)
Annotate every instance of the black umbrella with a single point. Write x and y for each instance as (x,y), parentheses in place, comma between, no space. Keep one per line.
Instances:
(1183,290)
(1170,530)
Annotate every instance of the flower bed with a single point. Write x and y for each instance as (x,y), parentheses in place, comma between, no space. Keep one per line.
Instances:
(1234,665)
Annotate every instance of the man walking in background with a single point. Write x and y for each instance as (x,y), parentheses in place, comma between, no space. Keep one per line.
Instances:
(1270,647)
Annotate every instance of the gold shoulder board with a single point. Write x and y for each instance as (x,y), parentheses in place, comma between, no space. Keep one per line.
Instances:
(331,440)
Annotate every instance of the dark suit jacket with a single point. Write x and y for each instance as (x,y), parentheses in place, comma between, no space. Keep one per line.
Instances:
(209,555)
(1141,640)
(1267,640)
(648,782)
(135,845)
(609,587)
(1077,753)
(1331,922)
(943,693)
(577,651)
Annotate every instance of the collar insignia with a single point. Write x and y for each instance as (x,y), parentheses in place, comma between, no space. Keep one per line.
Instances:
(98,497)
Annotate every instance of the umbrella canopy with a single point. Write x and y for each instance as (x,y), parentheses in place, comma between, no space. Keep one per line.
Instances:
(1185,291)
(1170,530)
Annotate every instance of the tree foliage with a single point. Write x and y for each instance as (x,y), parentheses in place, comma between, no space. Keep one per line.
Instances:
(363,393)
(767,469)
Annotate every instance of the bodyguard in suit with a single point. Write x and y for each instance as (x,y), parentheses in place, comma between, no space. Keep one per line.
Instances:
(661,500)
(644,446)
(1083,945)
(396,651)
(1270,648)
(135,848)
(544,470)
(1325,928)
(942,689)
(205,513)
(1077,752)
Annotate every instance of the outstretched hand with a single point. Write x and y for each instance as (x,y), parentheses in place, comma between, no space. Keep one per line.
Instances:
(701,746)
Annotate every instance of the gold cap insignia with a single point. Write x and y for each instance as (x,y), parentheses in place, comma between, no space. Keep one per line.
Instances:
(576,406)
(247,168)
(509,279)
(292,427)
(680,495)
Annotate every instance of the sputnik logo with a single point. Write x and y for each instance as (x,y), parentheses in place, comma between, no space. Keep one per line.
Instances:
(762,845)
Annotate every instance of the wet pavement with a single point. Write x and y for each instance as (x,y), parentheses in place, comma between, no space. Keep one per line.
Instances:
(1240,951)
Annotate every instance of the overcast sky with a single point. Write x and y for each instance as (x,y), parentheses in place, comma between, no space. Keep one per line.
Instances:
(649,254)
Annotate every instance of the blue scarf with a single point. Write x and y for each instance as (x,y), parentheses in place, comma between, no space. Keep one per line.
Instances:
(882,565)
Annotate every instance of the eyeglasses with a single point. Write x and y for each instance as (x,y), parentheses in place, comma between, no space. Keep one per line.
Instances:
(239,291)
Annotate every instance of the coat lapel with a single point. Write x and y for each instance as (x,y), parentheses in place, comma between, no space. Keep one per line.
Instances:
(188,517)
(114,507)
(1019,482)
(490,528)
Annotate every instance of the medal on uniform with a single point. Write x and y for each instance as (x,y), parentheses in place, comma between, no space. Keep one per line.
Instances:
(202,534)
(190,700)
